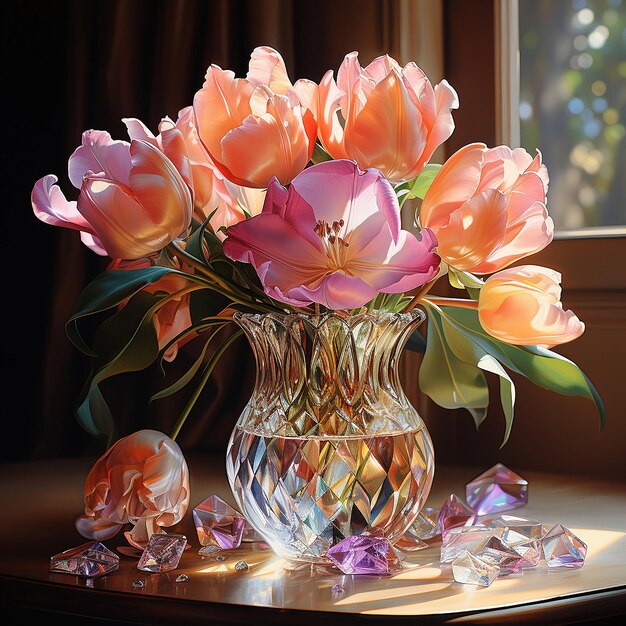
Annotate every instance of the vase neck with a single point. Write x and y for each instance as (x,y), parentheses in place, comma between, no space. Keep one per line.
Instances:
(330,375)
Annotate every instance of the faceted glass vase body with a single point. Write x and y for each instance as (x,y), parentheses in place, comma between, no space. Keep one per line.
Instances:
(328,445)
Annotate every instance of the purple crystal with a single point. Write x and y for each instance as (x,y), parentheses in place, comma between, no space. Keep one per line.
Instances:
(496,552)
(361,555)
(497,489)
(162,553)
(454,512)
(562,548)
(91,559)
(217,523)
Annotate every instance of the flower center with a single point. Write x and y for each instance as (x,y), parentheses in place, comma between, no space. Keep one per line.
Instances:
(334,245)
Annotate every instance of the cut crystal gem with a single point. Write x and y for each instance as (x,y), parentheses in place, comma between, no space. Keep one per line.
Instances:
(241,566)
(209,550)
(218,523)
(410,543)
(562,548)
(521,534)
(250,534)
(162,553)
(91,559)
(497,489)
(472,570)
(466,538)
(138,584)
(496,552)
(361,555)
(453,513)
(182,578)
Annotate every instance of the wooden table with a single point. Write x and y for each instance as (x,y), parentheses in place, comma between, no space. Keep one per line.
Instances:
(39,501)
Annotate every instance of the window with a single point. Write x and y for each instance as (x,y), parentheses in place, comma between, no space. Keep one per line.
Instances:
(573,105)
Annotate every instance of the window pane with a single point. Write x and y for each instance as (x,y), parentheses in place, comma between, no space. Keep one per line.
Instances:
(573,105)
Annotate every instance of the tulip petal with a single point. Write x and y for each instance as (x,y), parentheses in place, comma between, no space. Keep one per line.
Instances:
(139,131)
(96,528)
(330,129)
(475,229)
(52,207)
(93,243)
(99,153)
(388,132)
(337,291)
(455,183)
(267,67)
(175,149)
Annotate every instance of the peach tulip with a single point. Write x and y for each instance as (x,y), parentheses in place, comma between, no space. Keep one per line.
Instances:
(488,208)
(384,116)
(142,479)
(333,238)
(258,127)
(132,201)
(212,194)
(521,305)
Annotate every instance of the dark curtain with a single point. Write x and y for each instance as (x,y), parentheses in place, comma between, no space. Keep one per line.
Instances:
(78,64)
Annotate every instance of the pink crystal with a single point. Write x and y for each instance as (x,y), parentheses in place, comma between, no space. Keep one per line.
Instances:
(466,538)
(454,512)
(562,548)
(362,555)
(497,489)
(91,559)
(496,552)
(162,553)
(217,523)
(409,542)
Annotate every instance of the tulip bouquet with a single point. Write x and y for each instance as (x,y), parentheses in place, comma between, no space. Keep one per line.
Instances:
(273,196)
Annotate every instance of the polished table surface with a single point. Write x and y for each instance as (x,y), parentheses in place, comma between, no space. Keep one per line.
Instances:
(39,501)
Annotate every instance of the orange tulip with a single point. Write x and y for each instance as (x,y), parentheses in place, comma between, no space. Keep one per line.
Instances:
(142,479)
(212,193)
(257,127)
(521,305)
(488,208)
(384,116)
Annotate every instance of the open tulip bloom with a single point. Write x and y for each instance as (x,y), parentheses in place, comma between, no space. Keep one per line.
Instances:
(269,195)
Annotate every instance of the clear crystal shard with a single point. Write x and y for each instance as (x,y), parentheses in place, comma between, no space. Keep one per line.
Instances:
(362,555)
(410,542)
(496,552)
(217,523)
(453,513)
(497,489)
(250,535)
(466,538)
(162,553)
(209,550)
(241,566)
(182,578)
(91,560)
(522,534)
(472,570)
(562,548)
(425,524)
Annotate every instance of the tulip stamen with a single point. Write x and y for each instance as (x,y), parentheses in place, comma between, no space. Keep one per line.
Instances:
(334,245)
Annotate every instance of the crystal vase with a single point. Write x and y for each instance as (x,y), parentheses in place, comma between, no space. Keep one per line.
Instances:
(328,445)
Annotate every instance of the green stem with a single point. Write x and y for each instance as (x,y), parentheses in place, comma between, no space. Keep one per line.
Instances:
(205,377)
(461,304)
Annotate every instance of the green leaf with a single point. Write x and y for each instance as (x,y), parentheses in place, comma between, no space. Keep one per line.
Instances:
(125,342)
(206,303)
(543,367)
(319,154)
(187,377)
(448,380)
(418,186)
(109,290)
(465,280)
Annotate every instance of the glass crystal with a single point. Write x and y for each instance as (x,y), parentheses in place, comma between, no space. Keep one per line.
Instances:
(218,523)
(250,535)
(361,555)
(220,558)
(337,591)
(209,550)
(466,538)
(328,445)
(91,559)
(138,584)
(162,553)
(453,513)
(182,578)
(472,570)
(562,548)
(410,542)
(240,566)
(497,489)
(496,552)
(424,527)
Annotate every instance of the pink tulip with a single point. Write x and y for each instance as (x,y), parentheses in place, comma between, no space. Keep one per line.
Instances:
(384,116)
(334,238)
(212,194)
(521,305)
(488,208)
(132,201)
(257,127)
(141,479)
